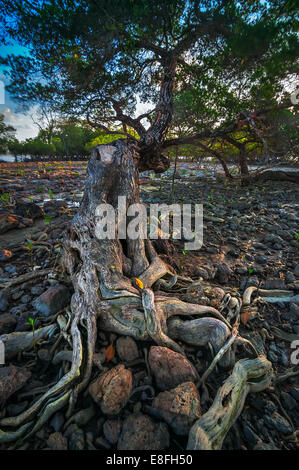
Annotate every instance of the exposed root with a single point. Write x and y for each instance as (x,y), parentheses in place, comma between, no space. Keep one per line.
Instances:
(101,271)
(23,341)
(209,431)
(153,323)
(219,355)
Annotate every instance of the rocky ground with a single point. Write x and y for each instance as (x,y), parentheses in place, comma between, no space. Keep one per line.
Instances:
(144,396)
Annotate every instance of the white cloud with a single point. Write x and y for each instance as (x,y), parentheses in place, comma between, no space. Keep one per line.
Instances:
(25,128)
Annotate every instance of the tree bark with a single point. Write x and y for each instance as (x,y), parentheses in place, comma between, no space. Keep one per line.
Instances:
(243,163)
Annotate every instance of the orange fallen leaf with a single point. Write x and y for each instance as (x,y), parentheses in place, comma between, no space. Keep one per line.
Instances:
(139,283)
(110,352)
(245,317)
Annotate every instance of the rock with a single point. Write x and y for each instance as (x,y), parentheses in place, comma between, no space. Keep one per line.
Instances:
(57,421)
(7,323)
(53,300)
(17,295)
(112,390)
(278,422)
(14,409)
(53,208)
(170,368)
(262,446)
(288,401)
(251,438)
(272,356)
(127,349)
(37,290)
(5,255)
(272,238)
(76,438)
(290,277)
(8,222)
(140,432)
(12,379)
(275,284)
(4,300)
(261,259)
(11,269)
(295,393)
(25,299)
(111,430)
(29,210)
(44,355)
(223,273)
(179,407)
(296,271)
(56,441)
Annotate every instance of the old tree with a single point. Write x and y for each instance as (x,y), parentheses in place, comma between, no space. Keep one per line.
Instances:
(95,58)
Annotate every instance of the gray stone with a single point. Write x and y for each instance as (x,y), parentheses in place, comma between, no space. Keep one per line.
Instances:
(288,401)
(279,423)
(179,407)
(7,323)
(53,300)
(140,432)
(251,438)
(76,438)
(4,300)
(12,379)
(295,393)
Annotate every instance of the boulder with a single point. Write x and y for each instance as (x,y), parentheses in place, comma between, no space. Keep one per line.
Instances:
(52,300)
(127,349)
(170,368)
(56,441)
(7,323)
(12,379)
(112,390)
(140,432)
(179,407)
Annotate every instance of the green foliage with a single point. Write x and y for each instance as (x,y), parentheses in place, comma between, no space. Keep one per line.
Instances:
(5,198)
(7,135)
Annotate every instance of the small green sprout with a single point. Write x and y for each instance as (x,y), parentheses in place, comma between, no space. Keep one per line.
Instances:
(31,322)
(5,198)
(250,270)
(51,194)
(185,252)
(47,218)
(40,189)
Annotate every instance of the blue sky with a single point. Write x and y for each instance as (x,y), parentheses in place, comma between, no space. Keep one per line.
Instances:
(11,110)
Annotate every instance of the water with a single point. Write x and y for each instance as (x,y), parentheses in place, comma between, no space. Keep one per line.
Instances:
(198,169)
(11,158)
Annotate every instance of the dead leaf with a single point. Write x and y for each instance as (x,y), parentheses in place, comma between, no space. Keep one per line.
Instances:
(110,353)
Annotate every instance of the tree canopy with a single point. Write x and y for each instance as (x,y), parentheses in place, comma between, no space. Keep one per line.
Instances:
(215,65)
